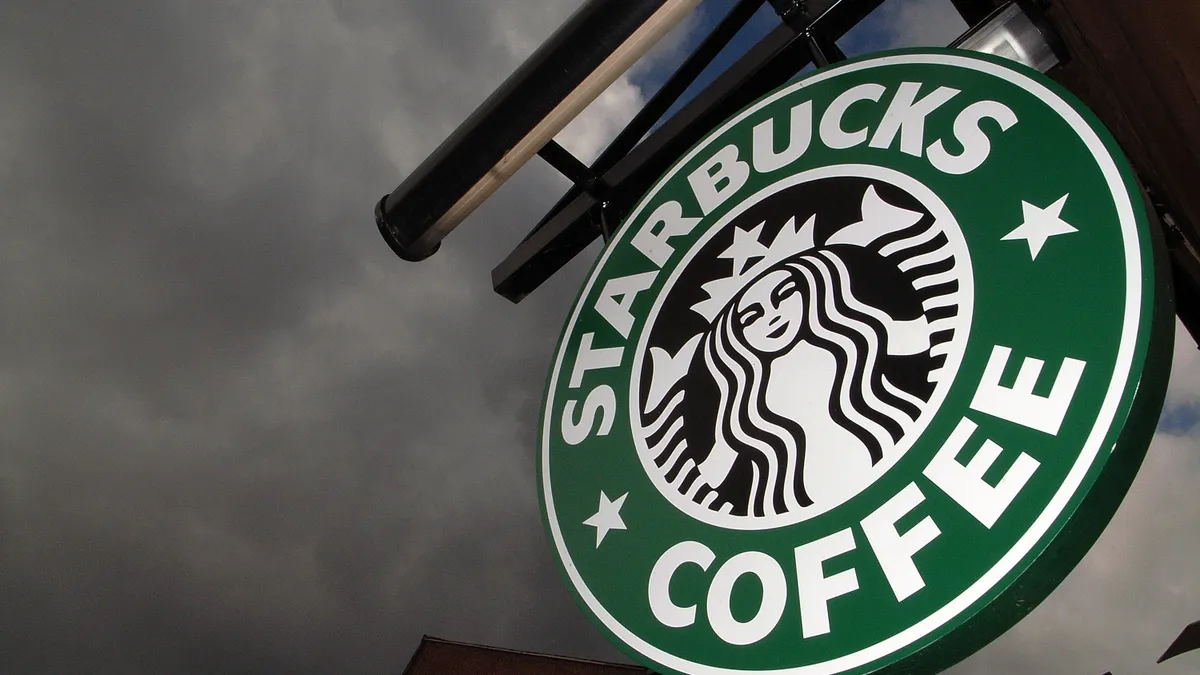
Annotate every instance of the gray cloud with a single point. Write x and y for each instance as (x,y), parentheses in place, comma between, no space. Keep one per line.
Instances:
(239,436)
(236,434)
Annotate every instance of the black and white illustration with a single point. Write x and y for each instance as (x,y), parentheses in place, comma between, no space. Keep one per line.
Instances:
(798,346)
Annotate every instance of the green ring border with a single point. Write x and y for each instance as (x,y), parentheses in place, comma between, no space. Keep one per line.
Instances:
(1071,537)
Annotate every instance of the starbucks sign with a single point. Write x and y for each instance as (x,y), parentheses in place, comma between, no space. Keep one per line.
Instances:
(860,379)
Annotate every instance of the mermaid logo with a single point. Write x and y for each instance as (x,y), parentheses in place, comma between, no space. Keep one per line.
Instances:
(800,348)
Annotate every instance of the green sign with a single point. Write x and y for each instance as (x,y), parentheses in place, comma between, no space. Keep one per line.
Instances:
(861,378)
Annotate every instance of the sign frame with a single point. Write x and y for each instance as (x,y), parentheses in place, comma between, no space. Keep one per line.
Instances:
(1072,534)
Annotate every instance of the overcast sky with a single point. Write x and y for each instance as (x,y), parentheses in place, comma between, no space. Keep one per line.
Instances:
(237,434)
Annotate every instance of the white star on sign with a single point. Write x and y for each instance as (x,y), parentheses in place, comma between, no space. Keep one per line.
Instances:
(1040,224)
(608,517)
(745,248)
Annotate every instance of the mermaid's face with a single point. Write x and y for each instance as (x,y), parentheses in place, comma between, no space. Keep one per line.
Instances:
(771,312)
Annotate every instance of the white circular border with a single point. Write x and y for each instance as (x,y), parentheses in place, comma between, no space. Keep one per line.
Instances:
(1089,452)
(966,303)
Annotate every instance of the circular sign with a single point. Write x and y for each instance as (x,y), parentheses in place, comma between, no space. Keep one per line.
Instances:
(861,378)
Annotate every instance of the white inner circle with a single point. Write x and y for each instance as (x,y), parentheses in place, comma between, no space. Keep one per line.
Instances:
(801,382)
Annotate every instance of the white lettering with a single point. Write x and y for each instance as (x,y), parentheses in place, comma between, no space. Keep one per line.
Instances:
(832,133)
(616,312)
(895,550)
(774,597)
(976,145)
(654,245)
(1019,404)
(965,484)
(664,609)
(603,400)
(725,168)
(593,359)
(764,156)
(814,588)
(906,116)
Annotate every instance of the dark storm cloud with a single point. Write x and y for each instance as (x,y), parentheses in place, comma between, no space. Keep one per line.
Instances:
(238,434)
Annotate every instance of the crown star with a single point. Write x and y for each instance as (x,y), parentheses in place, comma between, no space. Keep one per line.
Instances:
(879,218)
(746,247)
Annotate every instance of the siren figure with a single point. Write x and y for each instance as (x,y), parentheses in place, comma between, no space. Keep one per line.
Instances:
(808,383)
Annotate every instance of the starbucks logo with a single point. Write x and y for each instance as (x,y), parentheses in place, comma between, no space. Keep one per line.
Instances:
(860,379)
(801,346)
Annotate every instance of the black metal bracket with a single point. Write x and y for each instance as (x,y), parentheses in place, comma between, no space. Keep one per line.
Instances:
(632,162)
(574,170)
(801,16)
(791,12)
(822,51)
(609,221)
(469,164)
(662,100)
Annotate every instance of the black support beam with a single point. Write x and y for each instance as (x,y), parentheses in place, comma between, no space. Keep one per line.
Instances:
(664,98)
(575,224)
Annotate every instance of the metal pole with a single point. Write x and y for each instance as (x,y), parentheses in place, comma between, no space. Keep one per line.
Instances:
(587,54)
(666,96)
